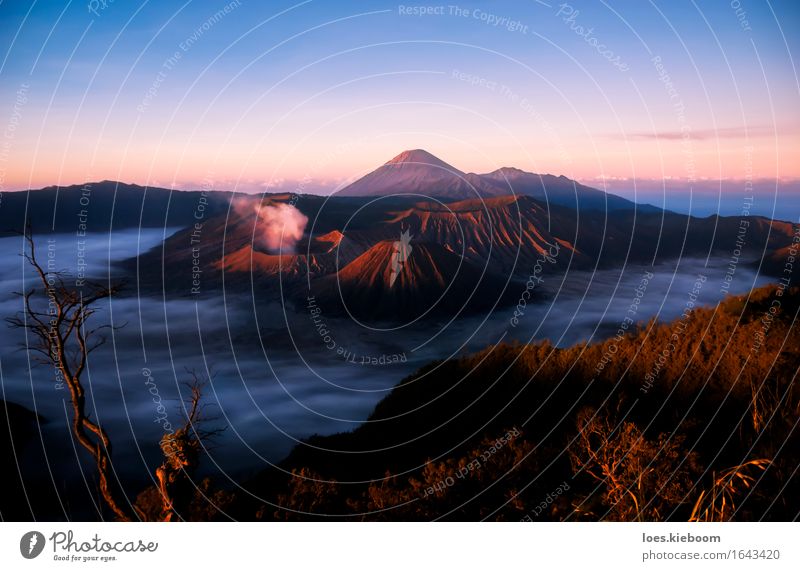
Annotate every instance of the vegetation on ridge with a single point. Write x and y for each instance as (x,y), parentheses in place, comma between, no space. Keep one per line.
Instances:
(693,419)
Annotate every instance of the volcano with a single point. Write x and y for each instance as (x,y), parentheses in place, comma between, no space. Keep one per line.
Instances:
(560,190)
(509,233)
(433,280)
(418,172)
(347,253)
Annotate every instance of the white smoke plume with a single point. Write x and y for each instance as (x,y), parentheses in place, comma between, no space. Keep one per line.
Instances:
(279,226)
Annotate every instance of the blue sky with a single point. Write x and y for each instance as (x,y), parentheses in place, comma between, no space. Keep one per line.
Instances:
(270,93)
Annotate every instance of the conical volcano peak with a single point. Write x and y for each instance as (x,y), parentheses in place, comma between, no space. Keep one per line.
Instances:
(420,173)
(420,157)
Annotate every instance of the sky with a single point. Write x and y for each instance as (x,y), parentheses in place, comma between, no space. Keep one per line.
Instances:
(677,101)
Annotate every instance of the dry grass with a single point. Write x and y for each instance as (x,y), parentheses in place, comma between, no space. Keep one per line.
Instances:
(717,503)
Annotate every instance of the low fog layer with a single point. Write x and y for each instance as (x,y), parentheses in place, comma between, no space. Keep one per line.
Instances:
(278,376)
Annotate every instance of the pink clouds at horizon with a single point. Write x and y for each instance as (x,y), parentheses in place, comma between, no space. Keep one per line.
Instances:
(341,154)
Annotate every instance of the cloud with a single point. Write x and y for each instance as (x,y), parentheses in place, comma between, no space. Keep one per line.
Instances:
(698,134)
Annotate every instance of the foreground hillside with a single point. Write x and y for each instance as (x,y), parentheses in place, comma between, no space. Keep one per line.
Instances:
(652,424)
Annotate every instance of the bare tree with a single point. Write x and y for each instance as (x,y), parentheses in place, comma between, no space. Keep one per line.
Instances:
(62,340)
(181,451)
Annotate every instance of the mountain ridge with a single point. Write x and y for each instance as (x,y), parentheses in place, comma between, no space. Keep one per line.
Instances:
(419,172)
